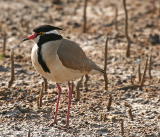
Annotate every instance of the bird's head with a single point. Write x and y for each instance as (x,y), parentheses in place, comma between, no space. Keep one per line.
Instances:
(41,31)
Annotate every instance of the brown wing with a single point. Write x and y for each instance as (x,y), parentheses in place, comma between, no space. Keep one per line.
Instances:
(72,56)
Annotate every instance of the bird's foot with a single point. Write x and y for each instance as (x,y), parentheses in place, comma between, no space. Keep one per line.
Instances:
(64,127)
(52,123)
(67,125)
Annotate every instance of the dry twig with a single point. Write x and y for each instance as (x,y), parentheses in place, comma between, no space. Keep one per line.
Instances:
(45,84)
(4,44)
(126,30)
(12,69)
(85,16)
(72,86)
(105,64)
(109,102)
(37,100)
(150,67)
(122,126)
(79,83)
(132,79)
(41,95)
(86,82)
(139,72)
(132,75)
(29,133)
(144,74)
(130,113)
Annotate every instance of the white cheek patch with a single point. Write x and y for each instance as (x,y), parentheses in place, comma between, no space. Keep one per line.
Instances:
(37,39)
(52,32)
(49,32)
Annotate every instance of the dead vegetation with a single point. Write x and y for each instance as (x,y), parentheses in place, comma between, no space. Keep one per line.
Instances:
(125,101)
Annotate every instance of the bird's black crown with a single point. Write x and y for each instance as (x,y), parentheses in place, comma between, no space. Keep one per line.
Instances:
(45,28)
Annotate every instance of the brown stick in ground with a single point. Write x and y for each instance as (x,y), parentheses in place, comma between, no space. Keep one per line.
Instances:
(85,16)
(130,114)
(144,74)
(132,75)
(29,133)
(86,82)
(79,83)
(41,95)
(139,72)
(12,69)
(109,102)
(122,126)
(132,79)
(150,67)
(126,30)
(4,44)
(45,84)
(105,64)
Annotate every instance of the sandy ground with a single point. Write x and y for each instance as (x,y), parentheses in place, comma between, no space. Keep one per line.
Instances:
(19,114)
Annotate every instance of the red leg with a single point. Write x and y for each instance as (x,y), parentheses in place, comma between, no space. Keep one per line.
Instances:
(70,90)
(57,105)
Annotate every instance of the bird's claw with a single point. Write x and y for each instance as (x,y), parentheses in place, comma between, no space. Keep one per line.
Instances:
(53,123)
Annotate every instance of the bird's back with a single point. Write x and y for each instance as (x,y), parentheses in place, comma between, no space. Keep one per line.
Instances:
(72,56)
(65,60)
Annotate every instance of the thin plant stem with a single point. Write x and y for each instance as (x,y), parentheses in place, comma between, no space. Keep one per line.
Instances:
(85,16)
(105,64)
(126,30)
(12,69)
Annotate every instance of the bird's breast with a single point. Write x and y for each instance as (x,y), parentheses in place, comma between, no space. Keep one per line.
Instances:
(37,65)
(58,72)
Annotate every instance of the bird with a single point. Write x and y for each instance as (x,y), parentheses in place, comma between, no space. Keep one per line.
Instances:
(60,60)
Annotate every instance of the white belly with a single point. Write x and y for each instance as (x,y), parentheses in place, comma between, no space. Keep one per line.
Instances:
(58,72)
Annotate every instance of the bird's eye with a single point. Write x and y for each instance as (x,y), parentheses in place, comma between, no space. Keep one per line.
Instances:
(41,33)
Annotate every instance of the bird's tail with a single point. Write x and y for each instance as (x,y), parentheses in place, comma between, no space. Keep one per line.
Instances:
(96,68)
(100,70)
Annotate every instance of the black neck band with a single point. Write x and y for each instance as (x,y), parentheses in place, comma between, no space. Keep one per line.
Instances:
(48,37)
(43,39)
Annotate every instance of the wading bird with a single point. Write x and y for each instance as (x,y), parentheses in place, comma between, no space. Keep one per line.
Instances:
(59,60)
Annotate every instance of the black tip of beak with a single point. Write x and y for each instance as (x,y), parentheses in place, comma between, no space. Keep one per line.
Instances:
(57,28)
(25,39)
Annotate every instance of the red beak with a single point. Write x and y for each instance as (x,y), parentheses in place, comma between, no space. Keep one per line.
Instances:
(30,37)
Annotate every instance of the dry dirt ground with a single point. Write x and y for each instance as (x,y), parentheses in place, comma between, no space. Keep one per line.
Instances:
(19,114)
